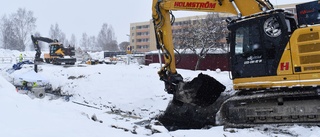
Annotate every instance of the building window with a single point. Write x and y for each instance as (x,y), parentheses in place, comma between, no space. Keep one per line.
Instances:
(143,46)
(142,33)
(143,27)
(182,23)
(143,40)
(146,26)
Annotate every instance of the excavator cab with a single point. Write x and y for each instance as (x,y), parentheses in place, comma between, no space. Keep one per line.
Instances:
(257,43)
(58,52)
(57,49)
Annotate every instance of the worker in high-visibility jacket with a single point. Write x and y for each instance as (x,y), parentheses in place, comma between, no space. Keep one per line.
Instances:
(20,57)
(34,85)
(25,85)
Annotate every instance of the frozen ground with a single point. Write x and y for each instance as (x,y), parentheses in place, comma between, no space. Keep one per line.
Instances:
(117,95)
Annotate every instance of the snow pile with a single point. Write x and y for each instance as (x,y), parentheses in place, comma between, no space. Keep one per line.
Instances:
(107,100)
(14,54)
(96,55)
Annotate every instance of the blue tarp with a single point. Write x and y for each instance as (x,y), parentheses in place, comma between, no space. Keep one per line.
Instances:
(19,65)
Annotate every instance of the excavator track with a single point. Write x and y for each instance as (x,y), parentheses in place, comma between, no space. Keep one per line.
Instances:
(272,107)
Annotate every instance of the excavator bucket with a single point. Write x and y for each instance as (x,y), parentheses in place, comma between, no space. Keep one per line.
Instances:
(201,91)
(194,104)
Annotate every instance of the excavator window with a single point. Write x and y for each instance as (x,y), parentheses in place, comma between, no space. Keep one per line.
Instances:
(240,39)
(247,40)
(292,25)
(53,49)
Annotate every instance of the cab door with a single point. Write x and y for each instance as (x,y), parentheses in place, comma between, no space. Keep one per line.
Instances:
(257,45)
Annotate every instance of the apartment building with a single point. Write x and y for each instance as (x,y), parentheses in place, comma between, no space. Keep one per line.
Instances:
(142,37)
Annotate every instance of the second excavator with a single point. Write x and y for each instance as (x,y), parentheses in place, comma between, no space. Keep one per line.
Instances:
(275,67)
(57,52)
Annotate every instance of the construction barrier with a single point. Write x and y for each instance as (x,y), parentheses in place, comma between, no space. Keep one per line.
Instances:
(6,60)
(25,59)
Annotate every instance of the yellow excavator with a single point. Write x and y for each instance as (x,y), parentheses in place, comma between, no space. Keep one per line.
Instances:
(57,52)
(275,66)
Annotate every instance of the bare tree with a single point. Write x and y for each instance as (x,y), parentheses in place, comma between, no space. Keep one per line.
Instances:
(201,36)
(25,25)
(113,46)
(84,44)
(123,45)
(16,29)
(106,38)
(8,35)
(73,40)
(56,33)
(93,44)
(89,43)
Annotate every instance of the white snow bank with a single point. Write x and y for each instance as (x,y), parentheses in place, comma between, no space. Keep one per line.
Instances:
(31,76)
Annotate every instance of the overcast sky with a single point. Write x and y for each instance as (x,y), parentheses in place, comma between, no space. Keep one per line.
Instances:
(79,16)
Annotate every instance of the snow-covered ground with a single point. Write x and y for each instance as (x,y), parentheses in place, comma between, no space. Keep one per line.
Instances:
(117,95)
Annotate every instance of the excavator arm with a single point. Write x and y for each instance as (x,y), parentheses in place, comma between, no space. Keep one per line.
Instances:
(44,39)
(163,20)
(35,41)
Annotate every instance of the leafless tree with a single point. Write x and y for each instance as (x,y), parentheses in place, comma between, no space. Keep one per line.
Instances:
(56,33)
(84,44)
(113,45)
(93,44)
(106,38)
(25,24)
(73,40)
(8,35)
(88,43)
(123,45)
(201,36)
(17,28)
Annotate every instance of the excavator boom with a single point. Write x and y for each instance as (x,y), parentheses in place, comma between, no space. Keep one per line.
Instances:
(161,13)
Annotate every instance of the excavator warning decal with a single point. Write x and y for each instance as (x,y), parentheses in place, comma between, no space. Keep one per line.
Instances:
(284,66)
(196,5)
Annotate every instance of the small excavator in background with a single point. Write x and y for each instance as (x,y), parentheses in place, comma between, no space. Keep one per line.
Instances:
(275,66)
(57,52)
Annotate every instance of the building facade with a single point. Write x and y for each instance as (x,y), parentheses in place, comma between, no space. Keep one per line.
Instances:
(142,36)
